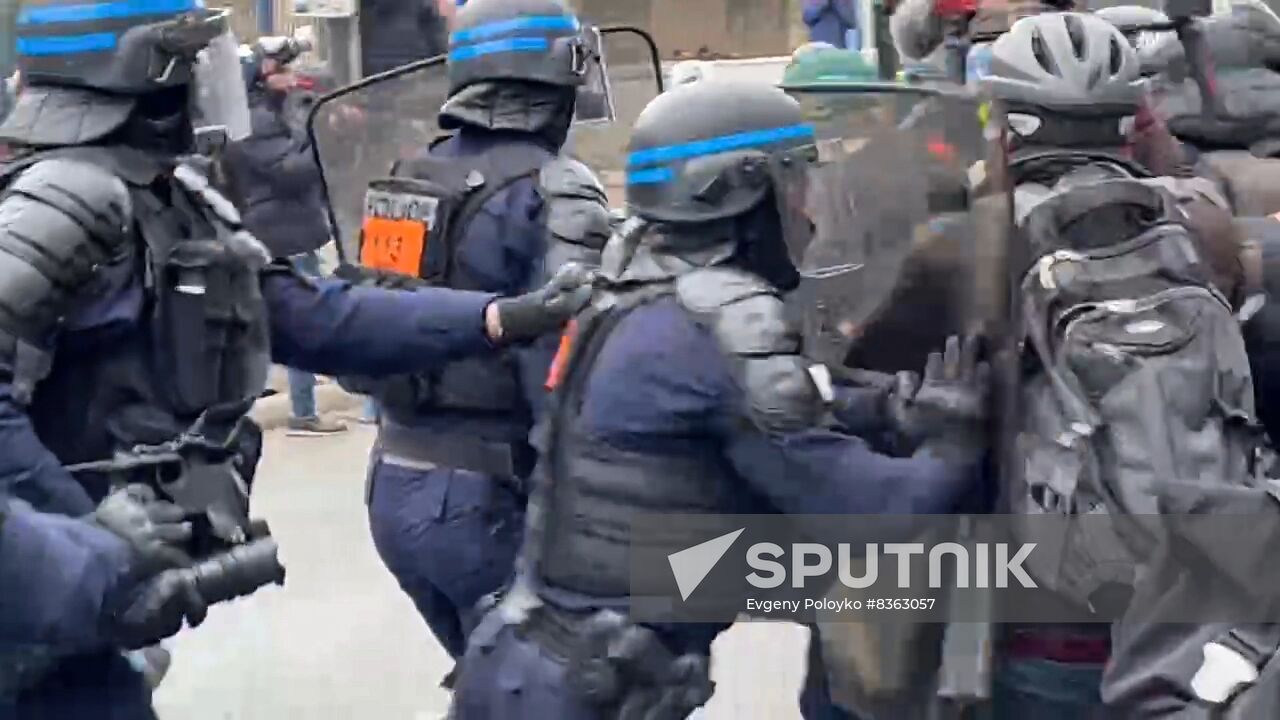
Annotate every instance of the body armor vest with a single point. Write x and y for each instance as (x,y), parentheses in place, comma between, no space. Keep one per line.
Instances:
(582,540)
(440,195)
(184,337)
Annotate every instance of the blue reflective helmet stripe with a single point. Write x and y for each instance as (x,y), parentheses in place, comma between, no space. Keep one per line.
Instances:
(652,176)
(565,23)
(67,45)
(48,15)
(724,143)
(520,44)
(701,148)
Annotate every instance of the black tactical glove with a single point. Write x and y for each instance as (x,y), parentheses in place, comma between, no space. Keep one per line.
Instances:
(950,407)
(532,315)
(156,609)
(155,530)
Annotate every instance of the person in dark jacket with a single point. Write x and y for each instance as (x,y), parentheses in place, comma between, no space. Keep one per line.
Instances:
(278,187)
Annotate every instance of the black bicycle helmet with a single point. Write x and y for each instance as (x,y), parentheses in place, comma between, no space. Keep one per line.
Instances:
(1066,79)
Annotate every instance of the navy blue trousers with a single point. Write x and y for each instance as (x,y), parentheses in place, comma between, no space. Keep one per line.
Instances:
(449,537)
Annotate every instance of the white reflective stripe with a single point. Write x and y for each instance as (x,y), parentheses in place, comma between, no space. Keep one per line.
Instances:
(404,462)
(822,380)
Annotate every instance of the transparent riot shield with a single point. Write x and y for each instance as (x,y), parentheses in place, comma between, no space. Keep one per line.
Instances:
(910,230)
(631,76)
(358,132)
(911,242)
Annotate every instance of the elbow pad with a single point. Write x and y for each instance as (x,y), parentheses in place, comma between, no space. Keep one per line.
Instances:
(577,214)
(748,321)
(59,221)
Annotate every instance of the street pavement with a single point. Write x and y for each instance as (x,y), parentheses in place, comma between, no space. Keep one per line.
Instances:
(341,641)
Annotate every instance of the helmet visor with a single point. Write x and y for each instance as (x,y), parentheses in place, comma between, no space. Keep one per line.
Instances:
(218,96)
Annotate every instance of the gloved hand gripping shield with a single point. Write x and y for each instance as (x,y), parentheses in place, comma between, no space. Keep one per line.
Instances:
(911,228)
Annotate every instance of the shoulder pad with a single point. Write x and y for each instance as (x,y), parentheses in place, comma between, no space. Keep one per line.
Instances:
(60,220)
(748,320)
(92,197)
(743,311)
(577,208)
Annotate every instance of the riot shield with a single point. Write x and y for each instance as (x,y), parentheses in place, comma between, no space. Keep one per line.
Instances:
(359,131)
(911,242)
(911,228)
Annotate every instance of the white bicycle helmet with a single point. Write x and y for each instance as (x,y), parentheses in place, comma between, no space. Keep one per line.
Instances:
(1066,79)
(1066,61)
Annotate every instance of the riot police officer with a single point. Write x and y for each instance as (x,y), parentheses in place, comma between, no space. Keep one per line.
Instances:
(134,309)
(447,502)
(686,391)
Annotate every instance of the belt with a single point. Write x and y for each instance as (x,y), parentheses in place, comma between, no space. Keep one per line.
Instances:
(423,448)
(1071,648)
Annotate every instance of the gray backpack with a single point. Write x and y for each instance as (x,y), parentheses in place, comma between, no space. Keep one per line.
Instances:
(1136,380)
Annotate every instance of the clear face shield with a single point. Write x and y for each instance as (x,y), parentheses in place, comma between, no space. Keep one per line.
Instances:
(595,96)
(219,101)
(789,174)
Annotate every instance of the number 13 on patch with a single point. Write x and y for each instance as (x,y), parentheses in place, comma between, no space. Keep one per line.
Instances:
(393,245)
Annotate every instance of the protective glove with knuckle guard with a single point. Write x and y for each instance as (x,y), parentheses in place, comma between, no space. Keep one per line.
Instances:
(951,406)
(156,609)
(155,530)
(532,315)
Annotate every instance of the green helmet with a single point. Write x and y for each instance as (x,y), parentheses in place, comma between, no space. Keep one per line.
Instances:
(816,73)
(818,65)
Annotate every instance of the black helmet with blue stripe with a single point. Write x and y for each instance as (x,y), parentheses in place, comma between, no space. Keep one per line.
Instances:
(533,40)
(130,47)
(84,64)
(715,149)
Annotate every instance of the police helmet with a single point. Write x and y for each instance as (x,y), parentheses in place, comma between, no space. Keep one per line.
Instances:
(130,47)
(718,149)
(1066,79)
(532,40)
(98,57)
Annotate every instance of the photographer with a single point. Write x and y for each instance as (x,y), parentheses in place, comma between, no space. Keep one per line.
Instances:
(276,184)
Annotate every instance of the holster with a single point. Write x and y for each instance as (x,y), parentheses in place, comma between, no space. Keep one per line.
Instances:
(623,669)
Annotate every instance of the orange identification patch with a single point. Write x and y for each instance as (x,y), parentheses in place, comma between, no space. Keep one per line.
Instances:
(393,245)
(560,362)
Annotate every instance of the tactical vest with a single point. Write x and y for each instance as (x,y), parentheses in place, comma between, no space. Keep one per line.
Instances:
(198,349)
(415,225)
(581,538)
